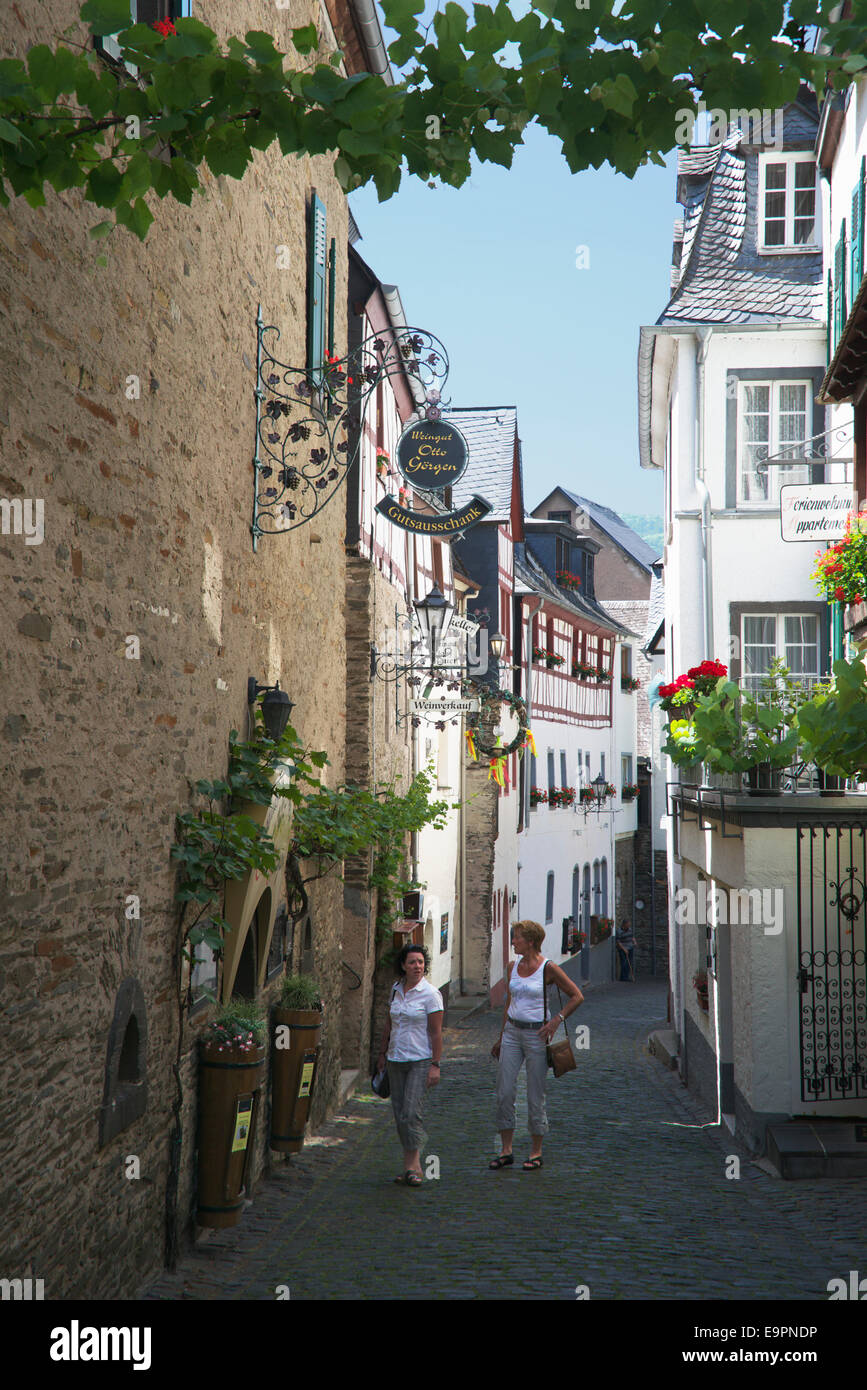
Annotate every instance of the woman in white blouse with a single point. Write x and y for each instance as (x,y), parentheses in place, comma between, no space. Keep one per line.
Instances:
(412,1044)
(525,1036)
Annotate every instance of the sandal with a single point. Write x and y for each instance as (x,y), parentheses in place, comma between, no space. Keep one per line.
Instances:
(504,1161)
(410,1179)
(532,1163)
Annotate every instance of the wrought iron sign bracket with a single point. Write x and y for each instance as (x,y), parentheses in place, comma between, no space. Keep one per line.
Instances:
(308,419)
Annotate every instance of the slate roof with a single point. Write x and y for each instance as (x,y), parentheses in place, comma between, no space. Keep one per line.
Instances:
(530,574)
(722,278)
(656,607)
(615,527)
(490,433)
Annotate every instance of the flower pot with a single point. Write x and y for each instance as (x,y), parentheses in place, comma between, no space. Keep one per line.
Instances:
(230,1083)
(724,781)
(764,780)
(830,785)
(703,1000)
(294,1059)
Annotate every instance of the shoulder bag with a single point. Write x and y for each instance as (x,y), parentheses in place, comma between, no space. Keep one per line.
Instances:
(561,1058)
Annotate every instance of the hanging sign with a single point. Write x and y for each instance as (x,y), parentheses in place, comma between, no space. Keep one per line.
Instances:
(427,524)
(815,511)
(432,454)
(443,707)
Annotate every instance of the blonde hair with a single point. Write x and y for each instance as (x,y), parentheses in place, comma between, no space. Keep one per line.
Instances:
(531,931)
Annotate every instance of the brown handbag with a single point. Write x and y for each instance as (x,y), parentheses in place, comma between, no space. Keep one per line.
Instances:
(560,1056)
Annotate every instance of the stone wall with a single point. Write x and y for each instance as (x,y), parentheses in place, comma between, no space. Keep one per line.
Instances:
(127,405)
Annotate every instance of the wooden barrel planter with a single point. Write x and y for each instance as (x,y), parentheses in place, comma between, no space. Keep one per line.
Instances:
(230,1083)
(293,1075)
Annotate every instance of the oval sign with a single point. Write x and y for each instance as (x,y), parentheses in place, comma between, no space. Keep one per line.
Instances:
(432,454)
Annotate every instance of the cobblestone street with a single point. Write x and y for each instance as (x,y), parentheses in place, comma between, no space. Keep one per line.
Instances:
(633,1200)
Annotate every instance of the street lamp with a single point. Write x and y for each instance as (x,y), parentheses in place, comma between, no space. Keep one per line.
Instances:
(497,645)
(600,788)
(276,706)
(434,614)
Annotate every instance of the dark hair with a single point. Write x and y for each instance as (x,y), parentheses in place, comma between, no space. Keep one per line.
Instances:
(406,951)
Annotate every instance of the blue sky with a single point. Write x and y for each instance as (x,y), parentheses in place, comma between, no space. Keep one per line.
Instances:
(491,270)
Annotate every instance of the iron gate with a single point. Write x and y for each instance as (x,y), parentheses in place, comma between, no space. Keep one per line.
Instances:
(832,886)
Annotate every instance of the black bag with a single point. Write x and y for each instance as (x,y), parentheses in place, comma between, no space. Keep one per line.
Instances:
(380,1084)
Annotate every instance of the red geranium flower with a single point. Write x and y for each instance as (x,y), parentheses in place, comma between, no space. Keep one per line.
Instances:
(840,595)
(164,27)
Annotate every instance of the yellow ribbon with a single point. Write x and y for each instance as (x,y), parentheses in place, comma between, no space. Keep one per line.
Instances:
(531,742)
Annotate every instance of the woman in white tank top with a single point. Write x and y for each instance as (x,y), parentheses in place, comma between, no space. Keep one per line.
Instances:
(524,1038)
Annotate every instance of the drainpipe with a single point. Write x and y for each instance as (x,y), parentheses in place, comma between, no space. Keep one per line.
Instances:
(703,336)
(529,697)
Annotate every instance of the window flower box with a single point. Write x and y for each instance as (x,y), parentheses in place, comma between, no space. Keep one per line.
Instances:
(566,580)
(629,683)
(582,671)
(552,660)
(603,674)
(600,929)
(629,791)
(561,796)
(538,796)
(586,795)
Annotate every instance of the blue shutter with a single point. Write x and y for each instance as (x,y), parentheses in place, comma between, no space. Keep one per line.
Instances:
(316,257)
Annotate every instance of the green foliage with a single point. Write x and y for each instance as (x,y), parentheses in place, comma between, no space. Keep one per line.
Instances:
(732,732)
(833,725)
(611,82)
(300,992)
(334,825)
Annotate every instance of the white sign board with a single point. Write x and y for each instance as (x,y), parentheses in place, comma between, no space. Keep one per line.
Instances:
(446,707)
(815,511)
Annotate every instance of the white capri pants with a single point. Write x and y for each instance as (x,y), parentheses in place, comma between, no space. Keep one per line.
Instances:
(522,1045)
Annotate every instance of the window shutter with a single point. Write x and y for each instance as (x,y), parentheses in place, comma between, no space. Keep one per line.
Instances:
(332,285)
(857,254)
(829,308)
(840,283)
(316,290)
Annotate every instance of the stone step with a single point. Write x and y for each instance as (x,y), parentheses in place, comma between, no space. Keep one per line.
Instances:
(819,1148)
(663,1045)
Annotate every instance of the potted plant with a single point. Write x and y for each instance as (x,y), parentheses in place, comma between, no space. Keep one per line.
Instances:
(699,980)
(552,659)
(297,1025)
(602,674)
(586,794)
(840,573)
(538,796)
(629,683)
(832,726)
(231,1071)
(382,463)
(629,791)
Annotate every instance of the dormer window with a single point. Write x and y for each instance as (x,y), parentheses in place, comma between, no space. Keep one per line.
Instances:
(787,202)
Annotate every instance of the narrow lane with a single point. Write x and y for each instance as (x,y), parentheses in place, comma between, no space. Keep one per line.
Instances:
(632,1202)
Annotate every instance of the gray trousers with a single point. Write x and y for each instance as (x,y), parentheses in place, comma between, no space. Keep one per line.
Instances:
(408,1081)
(522,1045)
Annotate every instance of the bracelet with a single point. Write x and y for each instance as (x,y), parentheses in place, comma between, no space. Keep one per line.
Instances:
(436,1064)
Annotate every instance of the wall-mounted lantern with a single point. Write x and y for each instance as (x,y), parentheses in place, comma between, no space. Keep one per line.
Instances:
(276,706)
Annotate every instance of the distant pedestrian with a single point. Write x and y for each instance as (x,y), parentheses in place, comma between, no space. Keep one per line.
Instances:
(524,1038)
(412,1044)
(625,942)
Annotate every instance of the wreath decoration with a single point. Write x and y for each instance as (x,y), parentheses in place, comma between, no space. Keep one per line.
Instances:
(497,753)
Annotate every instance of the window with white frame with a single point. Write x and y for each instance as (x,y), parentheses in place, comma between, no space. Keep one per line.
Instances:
(794,638)
(787,202)
(774,420)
